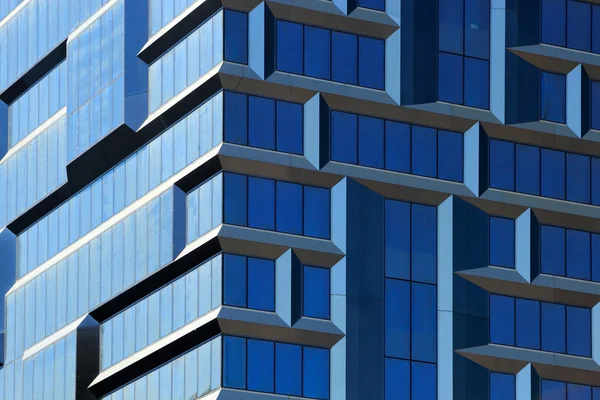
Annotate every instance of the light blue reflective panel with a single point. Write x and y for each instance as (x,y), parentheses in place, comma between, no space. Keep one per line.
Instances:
(236,118)
(316,212)
(502,320)
(192,123)
(423,374)
(423,243)
(424,151)
(344,128)
(344,64)
(579,25)
(178,378)
(83,288)
(168,76)
(155,17)
(477,81)
(261,368)
(178,303)
(261,122)
(129,332)
(29,331)
(154,163)
(397,318)
(397,239)
(193,218)
(234,280)
(191,296)
(450,156)
(317,52)
(190,384)
(117,338)
(370,142)
(289,127)
(502,242)
(61,297)
(424,317)
(118,99)
(553,174)
(553,93)
(477,29)
(180,67)
(552,390)
(528,169)
(236,37)
(315,373)
(371,63)
(207,371)
(289,47)
(554,22)
(180,144)
(578,255)
(397,379)
(142,171)
(553,328)
(451,19)
(205,292)
(83,69)
(73,286)
(31,172)
(85,197)
(578,178)
(42,240)
(200,48)
(96,217)
(288,209)
(261,284)
(42,166)
(118,39)
(119,187)
(579,392)
(153,385)
(32,258)
(502,386)
(315,292)
(595,95)
(22,178)
(167,160)
(153,234)
(107,32)
(553,250)
(450,78)
(141,324)
(165,379)
(234,362)
(579,331)
(106,266)
(154,85)
(154,311)
(236,199)
(397,148)
(528,324)
(502,165)
(96,52)
(288,369)
(107,195)
(117,258)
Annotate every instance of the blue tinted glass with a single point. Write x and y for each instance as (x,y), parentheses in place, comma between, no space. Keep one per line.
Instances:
(502,320)
(579,331)
(450,78)
(315,373)
(370,142)
(373,4)
(316,212)
(554,29)
(477,83)
(595,257)
(424,151)
(261,122)
(528,323)
(578,255)
(553,174)
(236,118)
(344,66)
(317,53)
(423,375)
(596,44)
(234,362)
(397,318)
(502,165)
(344,128)
(397,379)
(477,29)
(424,317)
(397,239)
(553,250)
(554,97)
(261,368)
(289,208)
(288,369)
(578,178)
(502,242)
(450,156)
(235,193)
(424,243)
(595,181)
(553,328)
(261,203)
(397,146)
(528,169)
(371,63)
(289,47)
(502,386)
(451,14)
(234,277)
(236,37)
(289,127)
(316,292)
(552,390)
(595,104)
(579,25)
(579,392)
(261,284)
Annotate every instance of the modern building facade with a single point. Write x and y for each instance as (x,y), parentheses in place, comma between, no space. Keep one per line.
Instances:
(345,199)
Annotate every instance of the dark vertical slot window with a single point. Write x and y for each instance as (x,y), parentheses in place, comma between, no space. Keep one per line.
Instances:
(234,277)
(288,209)
(261,122)
(236,37)
(261,203)
(502,242)
(236,117)
(289,127)
(344,137)
(554,22)
(553,97)
(315,292)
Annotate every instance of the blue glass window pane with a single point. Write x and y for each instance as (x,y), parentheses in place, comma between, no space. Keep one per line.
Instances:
(344,66)
(450,156)
(234,362)
(397,379)
(397,318)
(371,63)
(397,147)
(450,78)
(236,118)
(596,393)
(579,392)
(553,174)
(235,193)
(261,368)
(579,331)
(288,369)
(397,239)
(528,323)
(316,292)
(424,151)
(528,169)
(596,45)
(289,208)
(289,127)
(579,25)
(234,277)
(578,178)
(477,29)
(595,257)
(424,243)
(477,82)
(578,255)
(424,317)
(236,37)
(316,212)
(553,250)
(261,284)
(554,97)
(372,4)
(552,390)
(451,14)
(502,386)
(289,47)
(370,142)
(344,128)
(553,328)
(261,122)
(554,22)
(315,373)
(317,52)
(423,374)
(502,165)
(595,93)
(502,320)
(261,203)
(595,181)
(502,242)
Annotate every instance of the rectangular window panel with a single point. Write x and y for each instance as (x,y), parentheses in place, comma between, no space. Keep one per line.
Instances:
(579,392)
(371,59)
(450,156)
(554,22)
(261,284)
(261,203)
(579,25)
(288,369)
(477,29)
(578,255)
(315,373)
(528,169)
(234,280)
(553,250)
(370,142)
(261,368)
(423,322)
(236,37)
(553,174)
(315,292)
(397,318)
(502,165)
(553,328)
(288,209)
(451,24)
(372,4)
(397,239)
(289,127)
(344,137)
(502,242)
(450,78)
(423,243)
(502,386)
(528,323)
(235,193)
(578,178)
(344,66)
(316,212)
(554,390)
(317,52)
(554,93)
(424,151)
(579,331)
(502,320)
(236,118)
(423,374)
(477,81)
(234,362)
(397,147)
(261,122)
(289,47)
(397,379)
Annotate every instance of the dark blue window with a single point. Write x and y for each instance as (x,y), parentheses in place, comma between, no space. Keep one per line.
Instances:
(397,318)
(397,147)
(236,118)
(234,362)
(502,242)
(261,284)
(595,181)
(502,386)
(595,103)
(451,15)
(579,331)
(315,373)
(553,174)
(397,239)
(477,31)
(553,250)
(372,4)
(553,328)
(261,203)
(424,243)
(370,142)
(424,317)
(289,127)
(528,323)
(289,47)
(502,320)
(261,368)
(316,212)
(289,208)
(371,63)
(579,25)
(234,276)
(261,122)
(450,156)
(528,169)
(236,37)
(554,30)
(553,390)
(235,199)
(344,128)
(424,375)
(288,369)
(397,379)
(502,165)
(317,56)
(450,78)
(424,151)
(554,97)
(578,178)
(578,255)
(595,257)
(477,83)
(316,292)
(344,66)
(579,392)
(596,47)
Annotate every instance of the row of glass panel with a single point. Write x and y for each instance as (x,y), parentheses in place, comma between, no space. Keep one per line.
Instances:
(503,387)
(111,262)
(7,6)
(541,326)
(161,12)
(572,24)
(412,380)
(37,104)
